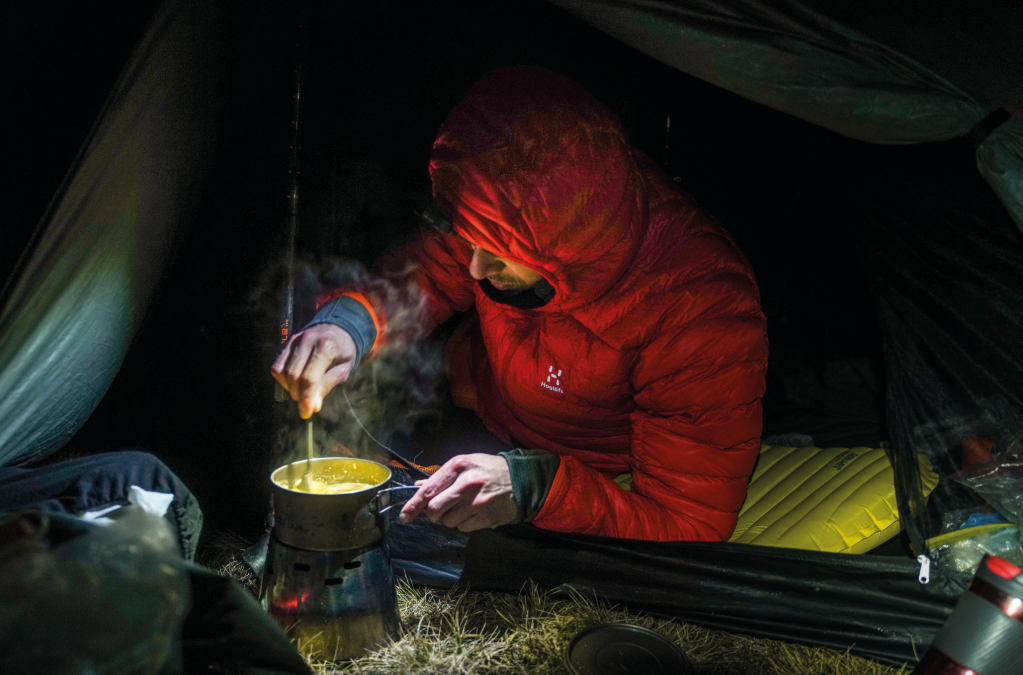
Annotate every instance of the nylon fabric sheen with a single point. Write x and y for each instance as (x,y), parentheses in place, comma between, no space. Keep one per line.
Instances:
(651,356)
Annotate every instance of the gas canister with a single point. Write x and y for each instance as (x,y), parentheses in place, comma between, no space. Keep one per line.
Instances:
(984,634)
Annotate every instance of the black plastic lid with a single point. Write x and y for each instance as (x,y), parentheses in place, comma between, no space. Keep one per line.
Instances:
(624,649)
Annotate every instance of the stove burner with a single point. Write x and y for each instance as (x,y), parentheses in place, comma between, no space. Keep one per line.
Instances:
(327,581)
(335,605)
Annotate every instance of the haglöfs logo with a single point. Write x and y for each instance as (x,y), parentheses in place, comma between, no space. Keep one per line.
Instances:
(553,381)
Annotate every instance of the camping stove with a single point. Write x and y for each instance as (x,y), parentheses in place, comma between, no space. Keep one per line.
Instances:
(328,581)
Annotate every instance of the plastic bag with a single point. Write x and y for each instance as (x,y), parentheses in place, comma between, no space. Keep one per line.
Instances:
(107,602)
(964,519)
(965,554)
(969,534)
(999,480)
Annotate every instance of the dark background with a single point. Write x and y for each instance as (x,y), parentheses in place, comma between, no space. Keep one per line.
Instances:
(377,82)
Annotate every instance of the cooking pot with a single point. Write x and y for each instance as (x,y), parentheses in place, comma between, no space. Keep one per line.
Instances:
(331,522)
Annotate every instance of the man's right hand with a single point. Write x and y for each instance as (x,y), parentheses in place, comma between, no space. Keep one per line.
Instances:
(312,363)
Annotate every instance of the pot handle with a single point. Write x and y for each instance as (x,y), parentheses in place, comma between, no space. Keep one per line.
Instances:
(398,503)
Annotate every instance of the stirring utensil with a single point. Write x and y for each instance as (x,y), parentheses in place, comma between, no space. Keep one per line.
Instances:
(308,477)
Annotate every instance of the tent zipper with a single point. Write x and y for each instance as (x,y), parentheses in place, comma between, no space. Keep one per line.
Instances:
(925,569)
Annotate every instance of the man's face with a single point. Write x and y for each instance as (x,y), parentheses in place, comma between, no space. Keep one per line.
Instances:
(503,274)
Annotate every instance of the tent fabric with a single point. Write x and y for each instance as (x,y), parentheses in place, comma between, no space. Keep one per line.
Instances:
(943,255)
(797,59)
(945,269)
(794,57)
(70,309)
(874,606)
(1000,161)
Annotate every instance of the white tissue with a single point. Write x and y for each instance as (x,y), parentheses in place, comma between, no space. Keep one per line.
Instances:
(155,503)
(97,515)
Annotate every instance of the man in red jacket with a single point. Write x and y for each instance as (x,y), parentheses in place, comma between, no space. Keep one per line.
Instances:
(617,327)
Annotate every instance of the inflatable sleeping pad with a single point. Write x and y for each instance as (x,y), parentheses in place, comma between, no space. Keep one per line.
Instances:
(836,500)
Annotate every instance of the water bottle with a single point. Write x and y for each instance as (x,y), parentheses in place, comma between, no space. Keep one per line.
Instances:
(984,634)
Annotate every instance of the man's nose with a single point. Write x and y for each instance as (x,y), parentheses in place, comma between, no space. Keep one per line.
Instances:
(484,264)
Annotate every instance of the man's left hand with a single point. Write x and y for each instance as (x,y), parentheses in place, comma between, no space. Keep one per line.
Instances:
(469,493)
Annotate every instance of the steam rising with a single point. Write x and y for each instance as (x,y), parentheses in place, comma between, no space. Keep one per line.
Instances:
(386,393)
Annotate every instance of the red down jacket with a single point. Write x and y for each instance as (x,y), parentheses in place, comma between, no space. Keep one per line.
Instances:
(650,358)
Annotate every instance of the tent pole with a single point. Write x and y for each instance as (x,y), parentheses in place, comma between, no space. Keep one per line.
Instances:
(287,314)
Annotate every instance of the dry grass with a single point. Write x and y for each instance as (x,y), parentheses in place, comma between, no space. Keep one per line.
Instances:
(469,633)
(241,573)
(462,632)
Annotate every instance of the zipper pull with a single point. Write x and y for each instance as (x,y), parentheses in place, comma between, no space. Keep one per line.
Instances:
(925,569)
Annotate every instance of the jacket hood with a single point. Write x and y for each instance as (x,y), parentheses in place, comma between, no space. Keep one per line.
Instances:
(534,169)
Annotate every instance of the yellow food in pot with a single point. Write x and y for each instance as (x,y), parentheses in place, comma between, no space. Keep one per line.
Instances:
(314,486)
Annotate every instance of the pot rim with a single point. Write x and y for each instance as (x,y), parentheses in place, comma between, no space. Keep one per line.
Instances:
(375,486)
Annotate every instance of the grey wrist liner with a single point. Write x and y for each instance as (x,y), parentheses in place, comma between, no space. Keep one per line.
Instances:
(532,474)
(349,314)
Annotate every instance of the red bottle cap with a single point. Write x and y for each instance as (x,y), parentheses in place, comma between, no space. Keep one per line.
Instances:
(1003,568)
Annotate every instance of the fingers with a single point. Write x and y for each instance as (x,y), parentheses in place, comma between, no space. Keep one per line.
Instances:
(290,362)
(312,363)
(310,382)
(455,503)
(428,489)
(458,513)
(277,369)
(465,508)
(469,492)
(333,377)
(453,506)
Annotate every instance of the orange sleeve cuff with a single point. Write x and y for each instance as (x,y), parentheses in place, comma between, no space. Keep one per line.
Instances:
(379,321)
